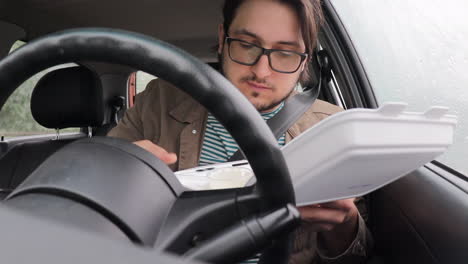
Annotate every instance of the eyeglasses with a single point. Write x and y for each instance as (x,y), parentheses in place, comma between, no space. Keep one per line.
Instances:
(246,53)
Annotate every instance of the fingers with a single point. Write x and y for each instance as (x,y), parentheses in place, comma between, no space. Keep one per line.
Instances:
(169,158)
(328,216)
(322,215)
(159,152)
(345,204)
(318,219)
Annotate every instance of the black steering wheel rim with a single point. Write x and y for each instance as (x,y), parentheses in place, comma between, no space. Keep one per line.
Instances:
(197,79)
(174,65)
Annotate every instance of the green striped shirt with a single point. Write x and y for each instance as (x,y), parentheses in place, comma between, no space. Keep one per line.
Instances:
(218,145)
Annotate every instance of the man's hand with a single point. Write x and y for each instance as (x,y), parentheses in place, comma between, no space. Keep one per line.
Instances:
(336,223)
(161,153)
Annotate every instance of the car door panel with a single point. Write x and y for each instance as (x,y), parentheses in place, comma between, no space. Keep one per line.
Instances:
(420,219)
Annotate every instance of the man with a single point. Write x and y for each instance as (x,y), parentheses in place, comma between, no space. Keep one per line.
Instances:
(166,121)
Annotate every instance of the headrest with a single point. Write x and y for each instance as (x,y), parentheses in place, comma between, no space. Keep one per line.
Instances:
(68,97)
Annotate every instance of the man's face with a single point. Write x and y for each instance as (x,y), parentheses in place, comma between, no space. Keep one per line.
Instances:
(271,25)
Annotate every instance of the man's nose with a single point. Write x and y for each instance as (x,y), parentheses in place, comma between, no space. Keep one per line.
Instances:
(262,67)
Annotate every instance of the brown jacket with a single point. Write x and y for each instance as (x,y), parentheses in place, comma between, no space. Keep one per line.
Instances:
(173,120)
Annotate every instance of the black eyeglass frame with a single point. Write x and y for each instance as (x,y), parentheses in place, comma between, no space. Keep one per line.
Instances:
(266,52)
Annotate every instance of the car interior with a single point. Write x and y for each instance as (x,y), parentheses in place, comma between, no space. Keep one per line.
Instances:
(90,206)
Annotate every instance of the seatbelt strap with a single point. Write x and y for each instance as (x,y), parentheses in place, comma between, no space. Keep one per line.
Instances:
(292,110)
(294,107)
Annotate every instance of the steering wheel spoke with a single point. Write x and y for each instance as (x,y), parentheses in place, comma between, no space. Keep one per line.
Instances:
(243,239)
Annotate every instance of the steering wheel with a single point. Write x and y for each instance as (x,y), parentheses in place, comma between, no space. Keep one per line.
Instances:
(273,194)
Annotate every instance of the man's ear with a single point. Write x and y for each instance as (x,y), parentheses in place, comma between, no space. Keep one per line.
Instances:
(220,38)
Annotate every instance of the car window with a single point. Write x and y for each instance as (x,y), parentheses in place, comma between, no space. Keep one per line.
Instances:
(15,117)
(415,52)
(142,79)
(137,82)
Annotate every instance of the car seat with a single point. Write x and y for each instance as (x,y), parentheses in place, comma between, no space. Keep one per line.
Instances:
(64,98)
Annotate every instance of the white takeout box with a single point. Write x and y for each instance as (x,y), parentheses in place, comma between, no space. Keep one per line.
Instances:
(353,152)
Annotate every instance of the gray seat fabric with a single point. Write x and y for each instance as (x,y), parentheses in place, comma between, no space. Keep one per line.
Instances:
(69,97)
(23,159)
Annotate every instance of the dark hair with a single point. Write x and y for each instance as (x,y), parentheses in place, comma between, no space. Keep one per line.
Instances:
(310,17)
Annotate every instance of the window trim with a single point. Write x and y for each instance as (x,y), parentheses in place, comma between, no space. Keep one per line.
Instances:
(348,69)
(131,89)
(449,173)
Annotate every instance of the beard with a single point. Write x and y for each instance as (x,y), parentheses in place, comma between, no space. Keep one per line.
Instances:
(266,106)
(261,107)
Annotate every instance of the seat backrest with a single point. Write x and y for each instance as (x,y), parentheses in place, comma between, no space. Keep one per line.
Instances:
(64,98)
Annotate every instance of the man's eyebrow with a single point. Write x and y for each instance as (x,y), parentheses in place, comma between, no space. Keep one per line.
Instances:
(248,33)
(253,35)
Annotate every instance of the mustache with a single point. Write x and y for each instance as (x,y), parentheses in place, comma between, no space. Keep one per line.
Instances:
(253,78)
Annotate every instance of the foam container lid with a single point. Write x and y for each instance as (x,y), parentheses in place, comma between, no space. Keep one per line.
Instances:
(357,151)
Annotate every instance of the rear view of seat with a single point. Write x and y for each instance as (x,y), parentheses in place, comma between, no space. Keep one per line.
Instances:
(64,98)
